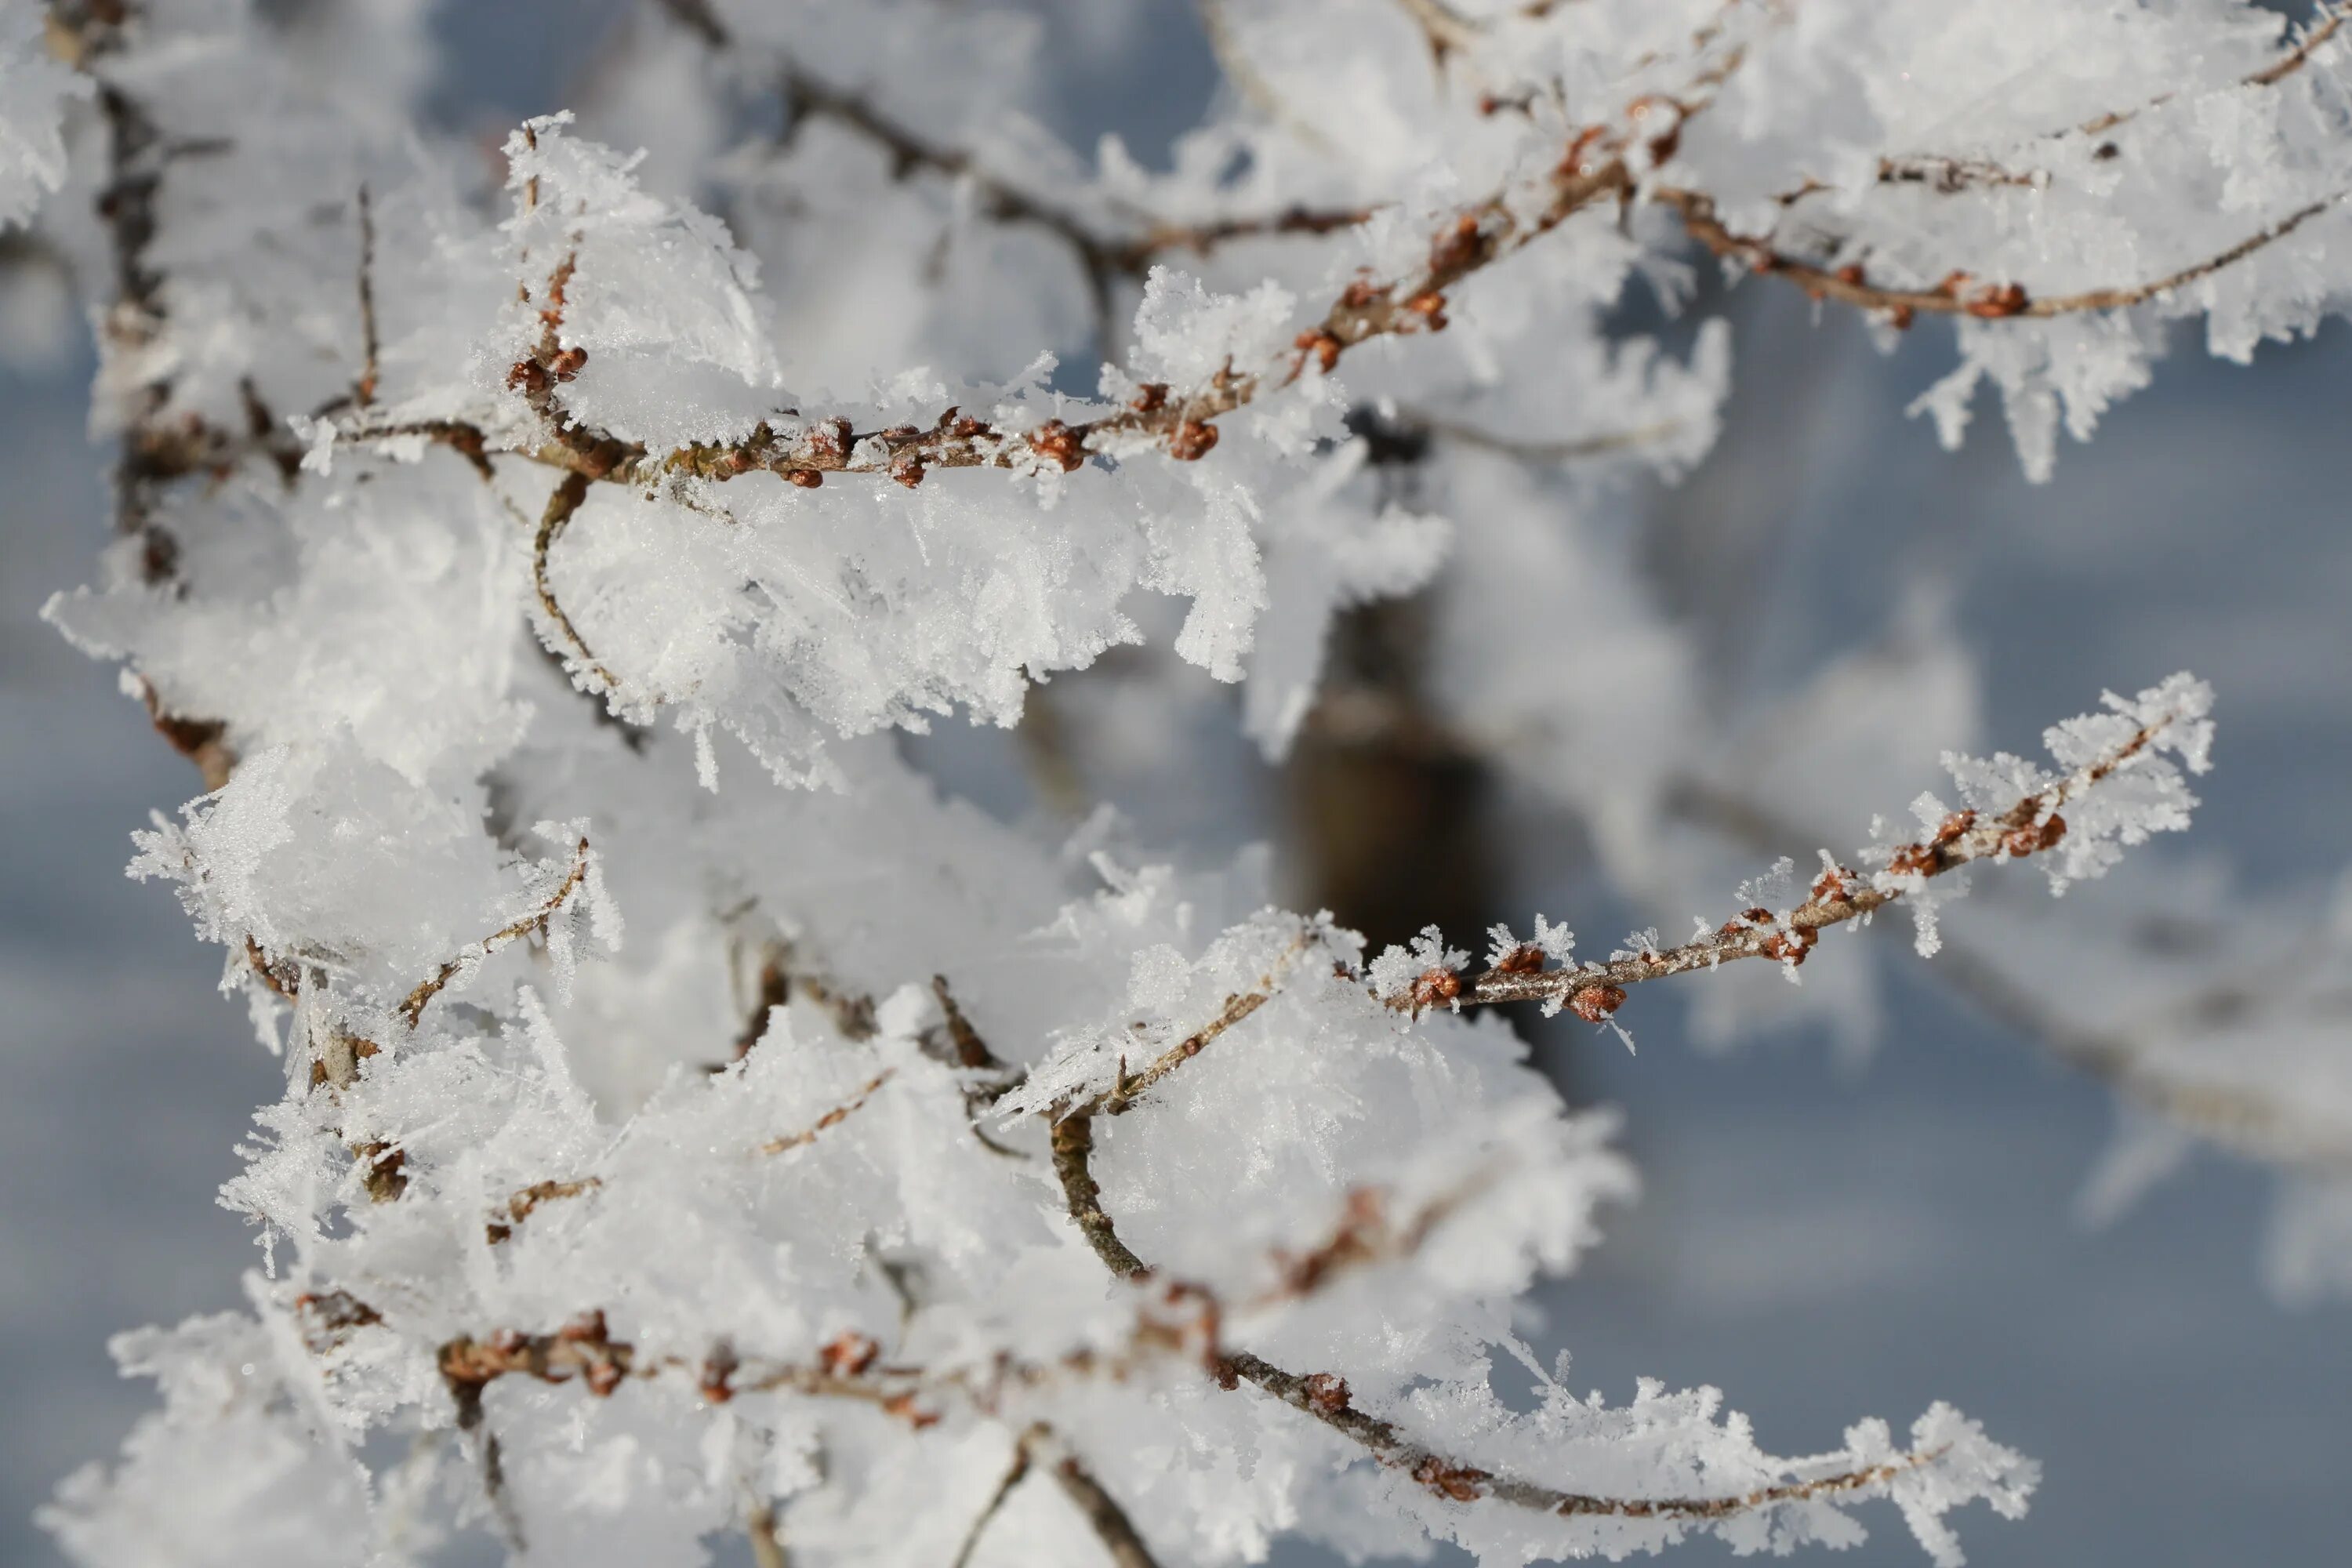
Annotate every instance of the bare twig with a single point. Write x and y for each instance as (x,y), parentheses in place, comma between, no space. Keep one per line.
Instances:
(1117,1532)
(1074,1147)
(562,506)
(364,390)
(830,1118)
(1014,1475)
(1596,990)
(413,1008)
(525,1200)
(1441,26)
(1958,295)
(1324,1397)
(1537,449)
(766,1535)
(1237,1007)
(2251,1124)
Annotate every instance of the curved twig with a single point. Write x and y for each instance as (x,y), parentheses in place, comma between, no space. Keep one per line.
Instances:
(413,1008)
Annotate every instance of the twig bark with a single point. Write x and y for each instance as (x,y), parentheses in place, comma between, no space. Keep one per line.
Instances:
(1958,295)
(1324,1397)
(1596,990)
(413,1008)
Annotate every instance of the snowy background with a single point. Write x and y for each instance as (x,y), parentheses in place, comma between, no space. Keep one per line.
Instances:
(1820,1241)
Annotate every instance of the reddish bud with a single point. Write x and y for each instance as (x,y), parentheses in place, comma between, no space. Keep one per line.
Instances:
(850,1355)
(1435,987)
(1326,1392)
(1191,441)
(1595,1003)
(1057,444)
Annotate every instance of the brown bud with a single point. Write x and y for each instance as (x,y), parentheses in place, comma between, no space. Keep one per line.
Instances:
(1191,441)
(1832,886)
(1914,860)
(587,1328)
(1057,444)
(1789,946)
(828,440)
(1436,987)
(2009,299)
(1459,1482)
(903,1407)
(807,478)
(568,364)
(907,467)
(1326,1392)
(528,377)
(1594,1003)
(1851,275)
(717,1370)
(1574,163)
(604,1376)
(1456,251)
(1150,398)
(1321,344)
(1524,959)
(849,1354)
(2027,839)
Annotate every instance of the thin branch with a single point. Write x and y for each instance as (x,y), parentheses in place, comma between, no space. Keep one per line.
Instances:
(1594,991)
(2291,61)
(1441,26)
(561,505)
(1014,1475)
(1074,1147)
(364,390)
(830,1118)
(1958,295)
(1181,424)
(1111,1526)
(1535,449)
(1950,174)
(2251,1124)
(761,1529)
(413,1008)
(1238,1007)
(1324,1397)
(525,1200)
